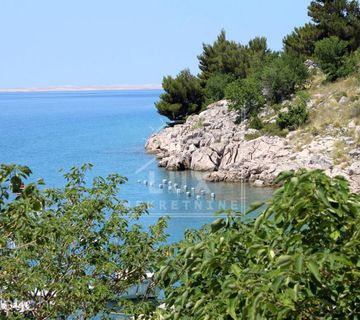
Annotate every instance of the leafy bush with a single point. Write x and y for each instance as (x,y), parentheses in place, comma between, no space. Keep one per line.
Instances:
(299,259)
(245,96)
(331,55)
(215,87)
(69,252)
(296,116)
(272,129)
(255,122)
(283,76)
(183,96)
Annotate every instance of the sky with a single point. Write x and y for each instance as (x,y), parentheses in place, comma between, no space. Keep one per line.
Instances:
(117,42)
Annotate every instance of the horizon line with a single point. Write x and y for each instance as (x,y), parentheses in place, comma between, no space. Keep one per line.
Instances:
(71,88)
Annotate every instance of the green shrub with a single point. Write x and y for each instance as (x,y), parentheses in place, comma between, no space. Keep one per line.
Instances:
(67,252)
(245,96)
(299,259)
(183,96)
(215,87)
(272,129)
(330,53)
(255,122)
(296,116)
(252,136)
(283,76)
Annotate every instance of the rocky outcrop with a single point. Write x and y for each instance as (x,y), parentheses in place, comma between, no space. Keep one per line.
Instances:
(213,142)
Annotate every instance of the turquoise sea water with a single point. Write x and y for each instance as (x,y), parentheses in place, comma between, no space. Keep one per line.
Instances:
(53,131)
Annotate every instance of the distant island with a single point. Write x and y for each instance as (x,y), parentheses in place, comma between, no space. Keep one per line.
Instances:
(84,88)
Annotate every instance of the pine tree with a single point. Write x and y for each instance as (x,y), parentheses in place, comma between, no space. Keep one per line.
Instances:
(183,96)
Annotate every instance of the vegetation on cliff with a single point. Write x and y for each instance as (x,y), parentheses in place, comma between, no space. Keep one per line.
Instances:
(330,39)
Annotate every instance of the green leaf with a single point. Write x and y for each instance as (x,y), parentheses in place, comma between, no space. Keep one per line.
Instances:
(235,269)
(217,225)
(314,269)
(284,260)
(231,308)
(299,263)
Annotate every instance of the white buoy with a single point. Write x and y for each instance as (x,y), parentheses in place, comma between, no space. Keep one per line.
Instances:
(151,184)
(169,182)
(175,185)
(212,195)
(139,181)
(193,190)
(161,186)
(164,181)
(185,187)
(198,197)
(145,182)
(202,192)
(178,191)
(169,188)
(188,194)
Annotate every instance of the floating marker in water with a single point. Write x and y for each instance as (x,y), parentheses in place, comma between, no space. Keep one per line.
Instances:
(212,195)
(164,181)
(161,186)
(193,190)
(202,192)
(169,188)
(185,187)
(178,190)
(169,182)
(188,194)
(175,185)
(139,181)
(145,182)
(198,197)
(151,184)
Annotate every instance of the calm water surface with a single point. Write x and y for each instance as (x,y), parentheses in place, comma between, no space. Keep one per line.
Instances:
(53,131)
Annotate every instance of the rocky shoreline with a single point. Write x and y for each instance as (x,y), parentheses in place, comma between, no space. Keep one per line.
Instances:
(212,142)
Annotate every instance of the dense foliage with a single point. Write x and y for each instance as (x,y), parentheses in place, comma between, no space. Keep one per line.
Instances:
(183,96)
(222,57)
(330,38)
(70,251)
(283,76)
(296,116)
(215,87)
(332,56)
(340,18)
(75,251)
(245,96)
(299,259)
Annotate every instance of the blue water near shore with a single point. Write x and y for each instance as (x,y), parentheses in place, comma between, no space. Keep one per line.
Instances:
(58,130)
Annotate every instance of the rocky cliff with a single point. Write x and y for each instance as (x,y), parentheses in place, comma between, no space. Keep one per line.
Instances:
(213,142)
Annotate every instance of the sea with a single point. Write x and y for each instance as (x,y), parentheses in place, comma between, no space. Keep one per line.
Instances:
(53,131)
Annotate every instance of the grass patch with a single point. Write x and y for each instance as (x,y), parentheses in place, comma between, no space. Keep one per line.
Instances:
(339,153)
(252,136)
(198,125)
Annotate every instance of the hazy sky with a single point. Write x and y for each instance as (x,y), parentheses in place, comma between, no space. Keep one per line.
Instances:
(103,42)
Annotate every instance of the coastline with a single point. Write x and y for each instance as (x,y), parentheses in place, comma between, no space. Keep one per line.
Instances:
(213,143)
(83,88)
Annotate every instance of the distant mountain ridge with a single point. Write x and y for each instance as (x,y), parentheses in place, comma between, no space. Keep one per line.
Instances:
(85,88)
